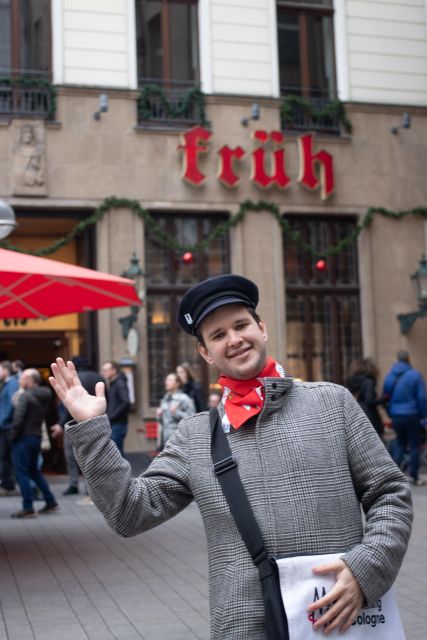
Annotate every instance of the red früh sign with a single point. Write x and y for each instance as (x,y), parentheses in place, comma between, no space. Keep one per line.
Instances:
(315,169)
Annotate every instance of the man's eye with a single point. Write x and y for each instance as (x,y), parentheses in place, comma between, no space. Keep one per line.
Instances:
(241,326)
(218,336)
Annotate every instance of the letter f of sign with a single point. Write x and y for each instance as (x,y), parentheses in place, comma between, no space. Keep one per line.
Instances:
(191,149)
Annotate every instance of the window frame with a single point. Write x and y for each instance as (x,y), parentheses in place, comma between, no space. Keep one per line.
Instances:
(303,11)
(166,80)
(16,69)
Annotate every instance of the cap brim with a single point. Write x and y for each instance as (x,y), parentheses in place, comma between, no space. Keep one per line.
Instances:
(221,302)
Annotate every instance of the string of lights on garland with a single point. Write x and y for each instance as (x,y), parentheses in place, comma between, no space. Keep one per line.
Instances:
(33,83)
(163,238)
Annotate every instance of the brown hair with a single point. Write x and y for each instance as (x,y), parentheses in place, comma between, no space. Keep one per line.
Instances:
(252,312)
(365,366)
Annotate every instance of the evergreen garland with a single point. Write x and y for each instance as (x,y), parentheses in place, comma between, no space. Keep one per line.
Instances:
(321,115)
(42,83)
(172,110)
(163,238)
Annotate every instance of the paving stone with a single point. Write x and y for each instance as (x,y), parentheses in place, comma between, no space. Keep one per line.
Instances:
(68,577)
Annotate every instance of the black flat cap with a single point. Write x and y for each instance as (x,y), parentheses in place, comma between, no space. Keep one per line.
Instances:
(212,293)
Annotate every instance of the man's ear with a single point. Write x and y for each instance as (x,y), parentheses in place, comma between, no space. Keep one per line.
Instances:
(204,353)
(263,328)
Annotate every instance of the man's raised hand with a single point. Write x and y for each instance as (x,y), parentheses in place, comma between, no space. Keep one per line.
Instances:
(73,395)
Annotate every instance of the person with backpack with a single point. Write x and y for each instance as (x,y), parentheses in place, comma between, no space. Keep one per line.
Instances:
(405,390)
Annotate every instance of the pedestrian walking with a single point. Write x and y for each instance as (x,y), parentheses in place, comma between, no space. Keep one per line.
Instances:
(10,386)
(405,391)
(191,387)
(306,454)
(118,404)
(174,406)
(89,378)
(31,410)
(362,384)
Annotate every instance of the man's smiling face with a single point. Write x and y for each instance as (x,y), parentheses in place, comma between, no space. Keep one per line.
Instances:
(234,342)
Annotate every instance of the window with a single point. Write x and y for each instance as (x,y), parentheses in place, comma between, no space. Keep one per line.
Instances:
(167,40)
(168,68)
(306,48)
(168,279)
(322,306)
(25,58)
(25,37)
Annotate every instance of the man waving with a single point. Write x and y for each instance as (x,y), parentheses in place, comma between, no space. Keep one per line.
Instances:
(307,456)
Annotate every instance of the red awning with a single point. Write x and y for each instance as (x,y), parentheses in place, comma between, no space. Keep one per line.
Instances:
(32,287)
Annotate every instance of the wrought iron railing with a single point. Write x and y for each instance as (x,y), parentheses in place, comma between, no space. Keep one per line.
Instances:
(170,103)
(26,93)
(316,112)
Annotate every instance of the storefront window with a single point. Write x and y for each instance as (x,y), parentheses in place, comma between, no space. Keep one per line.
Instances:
(322,305)
(169,276)
(306,48)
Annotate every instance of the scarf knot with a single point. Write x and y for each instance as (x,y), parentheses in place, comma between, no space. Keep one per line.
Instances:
(243,399)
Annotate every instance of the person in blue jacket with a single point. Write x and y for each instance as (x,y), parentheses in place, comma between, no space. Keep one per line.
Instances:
(405,389)
(10,387)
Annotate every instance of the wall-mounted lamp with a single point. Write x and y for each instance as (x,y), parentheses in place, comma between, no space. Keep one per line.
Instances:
(405,124)
(419,278)
(255,113)
(7,219)
(103,106)
(135,273)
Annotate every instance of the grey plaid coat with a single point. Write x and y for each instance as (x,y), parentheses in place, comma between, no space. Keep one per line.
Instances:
(307,464)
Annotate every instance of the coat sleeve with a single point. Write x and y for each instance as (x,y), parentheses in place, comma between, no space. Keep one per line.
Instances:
(185,409)
(131,505)
(7,409)
(385,496)
(19,416)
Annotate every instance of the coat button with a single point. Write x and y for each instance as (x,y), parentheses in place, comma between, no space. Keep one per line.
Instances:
(274,385)
(273,398)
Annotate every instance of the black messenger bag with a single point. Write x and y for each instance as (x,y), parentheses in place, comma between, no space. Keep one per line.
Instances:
(276,625)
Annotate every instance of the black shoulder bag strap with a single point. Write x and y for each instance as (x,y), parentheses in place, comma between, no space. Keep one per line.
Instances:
(225,467)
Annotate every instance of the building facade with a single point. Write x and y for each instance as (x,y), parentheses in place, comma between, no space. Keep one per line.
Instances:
(272,139)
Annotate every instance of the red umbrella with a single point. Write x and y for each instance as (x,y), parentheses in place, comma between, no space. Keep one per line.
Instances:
(32,287)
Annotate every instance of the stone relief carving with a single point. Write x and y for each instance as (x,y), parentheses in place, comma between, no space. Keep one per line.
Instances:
(29,166)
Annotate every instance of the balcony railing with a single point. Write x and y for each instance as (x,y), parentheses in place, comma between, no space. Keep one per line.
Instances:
(172,104)
(319,113)
(26,93)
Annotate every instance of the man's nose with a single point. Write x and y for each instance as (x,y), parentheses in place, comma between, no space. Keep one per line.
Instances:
(234,337)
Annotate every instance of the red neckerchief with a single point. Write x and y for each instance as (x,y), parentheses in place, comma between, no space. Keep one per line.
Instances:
(243,399)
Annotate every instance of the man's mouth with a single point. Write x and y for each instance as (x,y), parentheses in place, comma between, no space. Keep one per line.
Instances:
(240,352)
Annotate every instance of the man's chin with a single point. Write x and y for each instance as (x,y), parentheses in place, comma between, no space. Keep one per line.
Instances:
(247,372)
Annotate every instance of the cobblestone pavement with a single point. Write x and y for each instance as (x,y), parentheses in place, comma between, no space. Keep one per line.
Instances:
(66,576)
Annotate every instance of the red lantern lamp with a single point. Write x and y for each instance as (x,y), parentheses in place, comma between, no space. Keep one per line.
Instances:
(321,265)
(188,257)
